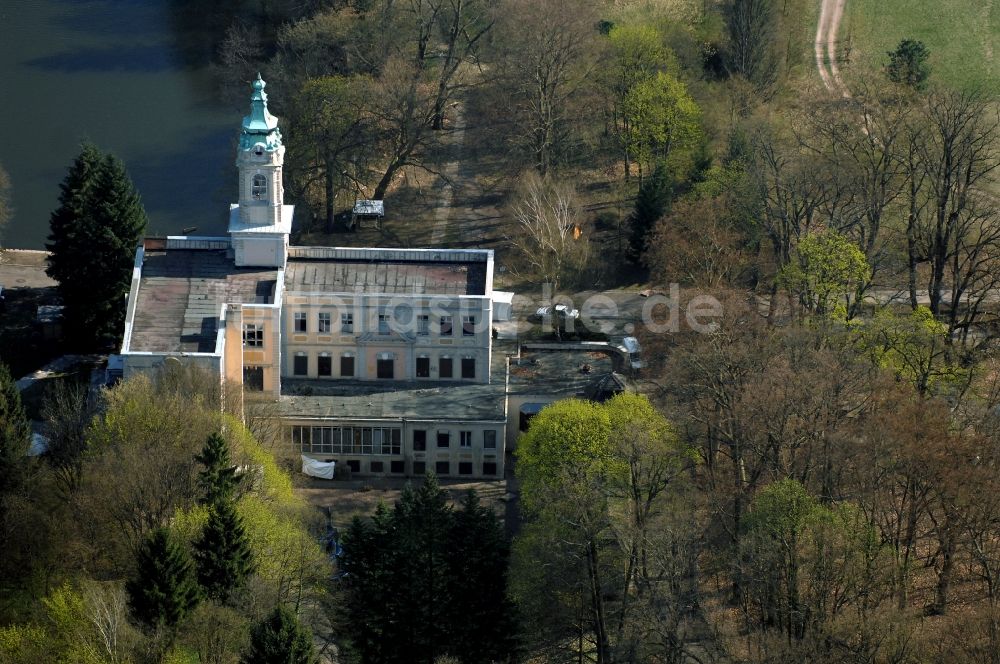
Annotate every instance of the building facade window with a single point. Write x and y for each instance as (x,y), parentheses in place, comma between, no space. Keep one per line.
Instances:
(445,329)
(468,367)
(464,467)
(347,440)
(354,465)
(489,468)
(347,366)
(397,467)
(442,468)
(423,367)
(465,439)
(375,466)
(468,326)
(253,335)
(383,324)
(490,439)
(419,440)
(301,322)
(347,323)
(444,367)
(423,325)
(258,187)
(253,379)
(419,468)
(384,367)
(444,438)
(300,365)
(323,323)
(324,365)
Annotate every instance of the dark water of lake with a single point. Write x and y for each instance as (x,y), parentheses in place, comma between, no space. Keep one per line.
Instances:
(110,71)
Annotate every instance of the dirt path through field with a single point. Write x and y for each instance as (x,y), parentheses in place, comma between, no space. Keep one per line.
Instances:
(830,14)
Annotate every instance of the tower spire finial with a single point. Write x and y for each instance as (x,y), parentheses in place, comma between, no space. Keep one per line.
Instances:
(260,127)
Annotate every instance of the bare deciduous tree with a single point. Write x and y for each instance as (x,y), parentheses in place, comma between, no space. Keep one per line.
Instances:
(545,213)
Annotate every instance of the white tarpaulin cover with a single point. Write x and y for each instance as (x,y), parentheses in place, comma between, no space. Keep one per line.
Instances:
(315,468)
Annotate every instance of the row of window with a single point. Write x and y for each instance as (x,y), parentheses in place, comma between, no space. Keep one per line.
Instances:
(347,440)
(324,324)
(375,440)
(385,367)
(420,467)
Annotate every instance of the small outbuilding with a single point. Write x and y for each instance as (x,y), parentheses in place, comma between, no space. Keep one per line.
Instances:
(367,214)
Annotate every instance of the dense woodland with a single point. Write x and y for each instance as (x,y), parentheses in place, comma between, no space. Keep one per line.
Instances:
(816,480)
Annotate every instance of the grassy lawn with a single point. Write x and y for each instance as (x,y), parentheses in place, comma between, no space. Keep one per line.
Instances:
(963,37)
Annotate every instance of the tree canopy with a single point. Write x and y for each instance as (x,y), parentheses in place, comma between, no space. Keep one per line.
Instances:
(93,238)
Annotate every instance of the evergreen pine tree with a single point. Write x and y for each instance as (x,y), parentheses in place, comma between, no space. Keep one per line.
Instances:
(280,639)
(93,237)
(424,581)
(481,615)
(908,64)
(651,204)
(223,555)
(218,480)
(164,589)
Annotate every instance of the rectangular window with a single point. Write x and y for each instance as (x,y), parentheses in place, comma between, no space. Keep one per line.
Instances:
(397,467)
(423,367)
(297,442)
(383,324)
(489,468)
(419,440)
(386,441)
(444,438)
(253,335)
(465,439)
(300,322)
(384,368)
(323,323)
(375,466)
(347,323)
(419,468)
(423,325)
(347,366)
(354,465)
(464,467)
(253,379)
(324,365)
(442,468)
(468,326)
(444,367)
(445,326)
(468,367)
(490,439)
(301,365)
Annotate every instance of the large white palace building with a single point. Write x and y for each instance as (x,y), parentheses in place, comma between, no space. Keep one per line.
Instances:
(379,359)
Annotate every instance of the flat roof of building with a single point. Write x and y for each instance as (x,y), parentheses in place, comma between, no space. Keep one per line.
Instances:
(340,275)
(181,293)
(412,400)
(565,373)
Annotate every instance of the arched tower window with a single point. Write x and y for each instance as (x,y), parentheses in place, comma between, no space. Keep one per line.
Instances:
(258,187)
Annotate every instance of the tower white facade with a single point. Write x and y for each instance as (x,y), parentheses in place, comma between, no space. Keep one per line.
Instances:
(260,223)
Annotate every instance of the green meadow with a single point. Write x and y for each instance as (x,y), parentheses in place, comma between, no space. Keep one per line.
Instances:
(963,37)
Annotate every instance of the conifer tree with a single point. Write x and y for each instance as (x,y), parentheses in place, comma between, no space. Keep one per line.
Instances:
(425,582)
(222,553)
(92,242)
(218,480)
(651,204)
(164,588)
(15,432)
(280,639)
(481,616)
